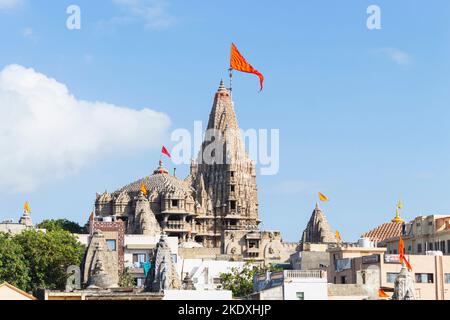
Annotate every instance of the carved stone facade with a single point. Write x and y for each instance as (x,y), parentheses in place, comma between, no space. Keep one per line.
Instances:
(318,231)
(217,196)
(101,265)
(163,274)
(404,285)
(261,247)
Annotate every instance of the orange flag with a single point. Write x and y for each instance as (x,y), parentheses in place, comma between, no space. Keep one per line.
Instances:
(382,294)
(91,217)
(401,250)
(323,197)
(26,207)
(238,62)
(144,189)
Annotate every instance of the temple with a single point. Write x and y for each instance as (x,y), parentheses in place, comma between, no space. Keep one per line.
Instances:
(219,195)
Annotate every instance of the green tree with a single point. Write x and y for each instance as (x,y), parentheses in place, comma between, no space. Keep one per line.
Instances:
(127,280)
(240,280)
(13,266)
(48,256)
(63,224)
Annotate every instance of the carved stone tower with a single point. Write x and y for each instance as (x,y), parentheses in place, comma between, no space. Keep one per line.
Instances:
(318,229)
(224,176)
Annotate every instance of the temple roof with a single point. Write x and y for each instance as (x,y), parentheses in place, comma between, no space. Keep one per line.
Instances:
(160,181)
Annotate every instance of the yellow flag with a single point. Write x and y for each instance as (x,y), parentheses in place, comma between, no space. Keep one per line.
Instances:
(144,189)
(338,235)
(399,205)
(26,207)
(323,197)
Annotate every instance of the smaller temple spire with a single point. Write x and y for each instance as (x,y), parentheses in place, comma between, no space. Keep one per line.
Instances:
(222,86)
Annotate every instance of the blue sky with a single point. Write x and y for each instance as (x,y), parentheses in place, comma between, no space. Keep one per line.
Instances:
(363,115)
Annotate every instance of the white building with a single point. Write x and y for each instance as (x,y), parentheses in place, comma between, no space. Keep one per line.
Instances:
(206,273)
(291,285)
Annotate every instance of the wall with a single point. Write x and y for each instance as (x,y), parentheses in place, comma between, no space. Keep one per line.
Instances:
(313,289)
(7,293)
(203,272)
(197,295)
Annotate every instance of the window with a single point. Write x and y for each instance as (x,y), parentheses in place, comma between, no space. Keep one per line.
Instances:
(233,205)
(175,203)
(139,258)
(232,174)
(419,248)
(448,246)
(409,248)
(430,246)
(232,188)
(111,245)
(253,244)
(447,278)
(300,295)
(343,279)
(174,258)
(443,246)
(430,223)
(140,282)
(390,277)
(424,277)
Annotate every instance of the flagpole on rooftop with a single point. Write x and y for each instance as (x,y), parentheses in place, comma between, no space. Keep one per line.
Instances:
(231,80)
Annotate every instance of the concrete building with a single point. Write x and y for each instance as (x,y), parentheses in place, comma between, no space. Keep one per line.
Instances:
(423,234)
(13,228)
(290,285)
(371,269)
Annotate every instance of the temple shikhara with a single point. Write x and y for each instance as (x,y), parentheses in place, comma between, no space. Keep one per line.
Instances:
(215,198)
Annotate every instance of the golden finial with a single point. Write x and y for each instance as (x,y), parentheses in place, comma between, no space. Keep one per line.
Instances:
(397,218)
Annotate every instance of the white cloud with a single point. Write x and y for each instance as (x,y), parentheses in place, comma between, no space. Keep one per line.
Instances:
(10,4)
(47,134)
(396,55)
(27,32)
(153,13)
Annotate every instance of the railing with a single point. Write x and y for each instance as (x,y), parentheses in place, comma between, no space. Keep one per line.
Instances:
(305,274)
(177,225)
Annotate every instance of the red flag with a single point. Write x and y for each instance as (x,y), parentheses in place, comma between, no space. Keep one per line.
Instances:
(166,152)
(238,62)
(401,249)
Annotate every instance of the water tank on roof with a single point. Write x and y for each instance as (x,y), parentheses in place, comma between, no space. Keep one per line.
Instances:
(365,243)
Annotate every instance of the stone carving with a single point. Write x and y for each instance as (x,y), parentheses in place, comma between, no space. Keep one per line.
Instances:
(99,279)
(101,266)
(188,283)
(148,224)
(162,275)
(404,285)
(73,281)
(318,230)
